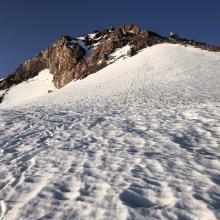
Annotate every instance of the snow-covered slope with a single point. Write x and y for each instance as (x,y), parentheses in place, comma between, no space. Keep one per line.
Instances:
(137,140)
(30,89)
(168,72)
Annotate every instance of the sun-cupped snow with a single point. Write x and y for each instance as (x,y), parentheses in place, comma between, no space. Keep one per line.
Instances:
(30,89)
(137,140)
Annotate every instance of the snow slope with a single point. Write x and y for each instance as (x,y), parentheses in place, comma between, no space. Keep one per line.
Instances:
(30,89)
(137,140)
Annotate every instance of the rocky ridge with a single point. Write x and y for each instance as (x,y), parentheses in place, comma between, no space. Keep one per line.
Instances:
(72,58)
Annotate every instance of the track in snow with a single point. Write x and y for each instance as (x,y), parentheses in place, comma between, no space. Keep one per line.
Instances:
(133,152)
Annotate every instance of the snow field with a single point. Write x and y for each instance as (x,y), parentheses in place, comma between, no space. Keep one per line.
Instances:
(30,89)
(137,140)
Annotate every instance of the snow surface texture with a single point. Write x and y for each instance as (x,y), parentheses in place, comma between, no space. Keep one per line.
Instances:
(137,140)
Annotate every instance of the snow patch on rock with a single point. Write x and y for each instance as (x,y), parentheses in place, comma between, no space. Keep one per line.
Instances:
(29,90)
(119,53)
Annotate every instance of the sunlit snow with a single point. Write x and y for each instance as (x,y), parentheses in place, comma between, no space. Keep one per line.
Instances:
(30,89)
(137,140)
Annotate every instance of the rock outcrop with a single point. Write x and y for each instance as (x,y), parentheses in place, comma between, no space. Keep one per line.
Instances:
(25,71)
(74,58)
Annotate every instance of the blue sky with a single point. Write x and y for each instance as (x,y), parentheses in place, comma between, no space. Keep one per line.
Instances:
(28,26)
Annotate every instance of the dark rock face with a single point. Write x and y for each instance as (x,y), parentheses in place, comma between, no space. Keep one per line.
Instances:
(74,58)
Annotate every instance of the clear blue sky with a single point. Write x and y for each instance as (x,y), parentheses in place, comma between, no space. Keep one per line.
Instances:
(28,26)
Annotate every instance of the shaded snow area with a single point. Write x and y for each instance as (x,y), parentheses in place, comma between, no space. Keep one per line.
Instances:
(137,140)
(30,89)
(89,49)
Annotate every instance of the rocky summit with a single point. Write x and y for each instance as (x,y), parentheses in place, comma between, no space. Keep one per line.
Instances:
(72,58)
